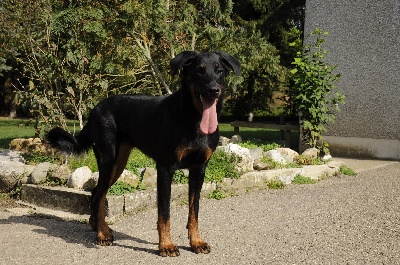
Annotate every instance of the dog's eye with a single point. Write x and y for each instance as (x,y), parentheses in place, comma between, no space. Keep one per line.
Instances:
(220,71)
(201,70)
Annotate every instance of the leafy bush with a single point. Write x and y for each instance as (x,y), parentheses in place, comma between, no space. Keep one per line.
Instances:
(314,91)
(222,165)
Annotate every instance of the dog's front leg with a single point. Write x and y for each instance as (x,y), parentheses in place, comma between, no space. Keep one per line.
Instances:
(196,179)
(164,180)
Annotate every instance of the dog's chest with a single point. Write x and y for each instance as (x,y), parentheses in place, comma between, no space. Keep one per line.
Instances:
(189,155)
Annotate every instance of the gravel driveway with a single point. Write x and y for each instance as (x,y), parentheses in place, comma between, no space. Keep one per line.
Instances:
(341,220)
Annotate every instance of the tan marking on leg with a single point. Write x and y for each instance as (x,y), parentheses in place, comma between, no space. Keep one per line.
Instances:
(208,153)
(196,243)
(166,247)
(104,235)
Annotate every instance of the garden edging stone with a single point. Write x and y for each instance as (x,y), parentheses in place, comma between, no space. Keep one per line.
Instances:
(77,201)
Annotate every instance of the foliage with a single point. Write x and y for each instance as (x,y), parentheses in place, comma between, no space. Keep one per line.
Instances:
(138,160)
(300,180)
(217,194)
(119,188)
(34,158)
(308,160)
(222,165)
(275,184)
(180,177)
(314,90)
(347,171)
(87,159)
(62,57)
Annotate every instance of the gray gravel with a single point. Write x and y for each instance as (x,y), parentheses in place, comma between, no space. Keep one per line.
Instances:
(341,220)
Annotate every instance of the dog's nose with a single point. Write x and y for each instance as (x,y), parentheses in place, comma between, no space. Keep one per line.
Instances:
(214,90)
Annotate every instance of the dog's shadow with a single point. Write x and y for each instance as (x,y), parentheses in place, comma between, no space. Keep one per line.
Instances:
(73,232)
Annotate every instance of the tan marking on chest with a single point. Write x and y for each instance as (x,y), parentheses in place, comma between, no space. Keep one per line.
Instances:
(183,151)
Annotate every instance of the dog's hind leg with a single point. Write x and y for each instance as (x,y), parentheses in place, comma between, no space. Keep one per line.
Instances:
(196,179)
(164,180)
(106,159)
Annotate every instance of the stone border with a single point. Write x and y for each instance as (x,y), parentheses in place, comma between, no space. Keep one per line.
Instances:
(77,201)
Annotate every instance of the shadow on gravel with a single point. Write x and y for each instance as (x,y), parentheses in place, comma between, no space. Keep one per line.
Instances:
(72,232)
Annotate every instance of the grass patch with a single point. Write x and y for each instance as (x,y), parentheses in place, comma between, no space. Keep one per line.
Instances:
(347,171)
(300,180)
(275,184)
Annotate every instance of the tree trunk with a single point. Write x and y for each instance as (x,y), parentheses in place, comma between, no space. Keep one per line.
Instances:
(13,106)
(250,95)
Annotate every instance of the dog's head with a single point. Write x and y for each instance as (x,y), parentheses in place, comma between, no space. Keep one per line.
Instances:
(204,75)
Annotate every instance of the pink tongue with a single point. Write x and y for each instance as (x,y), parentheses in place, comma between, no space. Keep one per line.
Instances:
(209,122)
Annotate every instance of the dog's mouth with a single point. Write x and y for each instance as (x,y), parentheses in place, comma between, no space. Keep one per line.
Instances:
(209,120)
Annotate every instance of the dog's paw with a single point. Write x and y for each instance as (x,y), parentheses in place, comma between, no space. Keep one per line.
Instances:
(169,251)
(201,247)
(104,240)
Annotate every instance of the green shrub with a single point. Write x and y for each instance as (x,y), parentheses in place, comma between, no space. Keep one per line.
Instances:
(222,165)
(314,91)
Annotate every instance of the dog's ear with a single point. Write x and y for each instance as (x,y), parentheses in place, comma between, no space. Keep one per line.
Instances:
(229,61)
(182,59)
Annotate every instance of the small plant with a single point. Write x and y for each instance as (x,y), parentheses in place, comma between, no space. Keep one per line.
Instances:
(347,171)
(308,160)
(34,158)
(300,180)
(53,182)
(222,165)
(217,194)
(180,177)
(275,184)
(120,188)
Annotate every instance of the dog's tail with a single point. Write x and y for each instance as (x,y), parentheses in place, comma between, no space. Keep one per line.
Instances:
(67,143)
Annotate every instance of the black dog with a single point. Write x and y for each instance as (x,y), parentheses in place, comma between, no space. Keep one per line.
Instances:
(177,131)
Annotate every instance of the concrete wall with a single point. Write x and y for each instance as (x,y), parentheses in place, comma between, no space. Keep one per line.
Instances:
(364,42)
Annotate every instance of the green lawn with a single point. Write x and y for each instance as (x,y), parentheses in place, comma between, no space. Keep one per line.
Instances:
(21,128)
